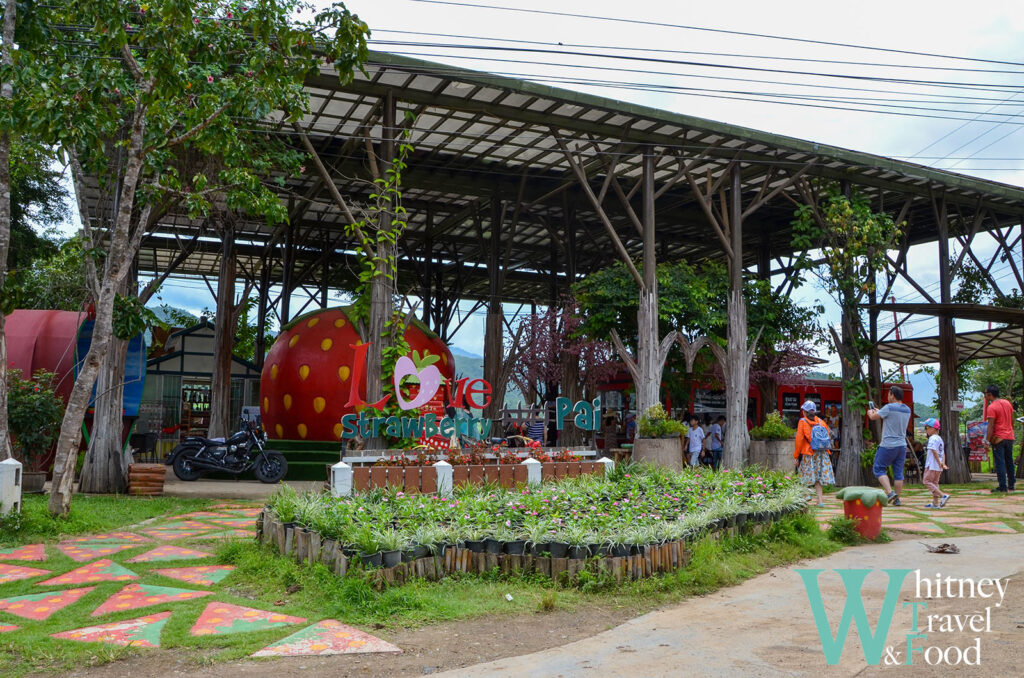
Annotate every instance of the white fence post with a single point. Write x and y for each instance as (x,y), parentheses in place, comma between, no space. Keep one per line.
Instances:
(609,465)
(341,480)
(10,486)
(533,471)
(444,478)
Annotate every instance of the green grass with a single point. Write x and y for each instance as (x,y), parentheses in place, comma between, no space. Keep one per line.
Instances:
(89,513)
(265,576)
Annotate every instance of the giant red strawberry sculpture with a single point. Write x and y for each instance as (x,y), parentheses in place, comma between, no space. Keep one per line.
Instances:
(306,377)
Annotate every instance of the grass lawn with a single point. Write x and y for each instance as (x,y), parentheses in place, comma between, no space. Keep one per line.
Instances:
(89,514)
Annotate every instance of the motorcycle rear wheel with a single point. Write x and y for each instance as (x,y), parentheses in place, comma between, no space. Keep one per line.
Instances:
(271,468)
(183,467)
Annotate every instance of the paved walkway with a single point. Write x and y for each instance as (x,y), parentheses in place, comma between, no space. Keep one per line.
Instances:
(971,511)
(764,628)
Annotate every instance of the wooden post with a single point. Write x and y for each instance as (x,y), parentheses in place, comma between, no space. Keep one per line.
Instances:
(263,294)
(648,390)
(959,470)
(287,274)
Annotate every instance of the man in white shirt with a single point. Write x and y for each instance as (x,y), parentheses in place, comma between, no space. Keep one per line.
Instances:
(696,438)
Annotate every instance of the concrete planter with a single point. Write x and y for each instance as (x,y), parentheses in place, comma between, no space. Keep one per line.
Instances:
(775,455)
(666,452)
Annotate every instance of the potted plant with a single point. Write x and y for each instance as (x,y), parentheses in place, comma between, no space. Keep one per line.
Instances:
(474,537)
(771,444)
(34,414)
(391,543)
(365,539)
(426,538)
(538,534)
(577,536)
(659,439)
(867,464)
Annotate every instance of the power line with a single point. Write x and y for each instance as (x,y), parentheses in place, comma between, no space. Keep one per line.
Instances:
(723,31)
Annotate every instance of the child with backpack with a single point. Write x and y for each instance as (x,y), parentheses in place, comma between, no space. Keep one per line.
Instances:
(934,464)
(812,449)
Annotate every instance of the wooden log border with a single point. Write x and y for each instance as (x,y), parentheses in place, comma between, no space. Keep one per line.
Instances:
(309,547)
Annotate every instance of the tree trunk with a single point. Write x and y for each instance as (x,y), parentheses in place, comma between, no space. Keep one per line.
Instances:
(6,92)
(959,471)
(851,444)
(572,436)
(71,427)
(381,311)
(737,376)
(103,471)
(223,340)
(737,383)
(768,389)
(649,368)
(494,356)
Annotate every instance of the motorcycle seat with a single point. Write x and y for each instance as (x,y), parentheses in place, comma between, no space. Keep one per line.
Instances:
(205,441)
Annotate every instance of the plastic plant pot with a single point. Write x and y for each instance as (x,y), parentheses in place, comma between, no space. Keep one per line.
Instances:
(391,558)
(492,546)
(864,505)
(370,559)
(515,548)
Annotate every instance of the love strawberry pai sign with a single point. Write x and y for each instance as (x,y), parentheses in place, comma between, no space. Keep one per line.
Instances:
(314,381)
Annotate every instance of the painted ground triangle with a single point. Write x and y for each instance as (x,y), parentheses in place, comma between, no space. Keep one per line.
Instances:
(140,632)
(16,572)
(30,552)
(135,596)
(101,570)
(327,637)
(107,536)
(221,618)
(168,552)
(204,575)
(84,552)
(40,606)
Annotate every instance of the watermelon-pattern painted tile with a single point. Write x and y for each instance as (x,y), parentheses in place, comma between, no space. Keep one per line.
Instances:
(204,575)
(228,534)
(174,534)
(931,528)
(139,632)
(247,512)
(134,596)
(84,552)
(101,570)
(233,522)
(4,628)
(107,536)
(221,618)
(178,526)
(16,572)
(200,514)
(24,553)
(168,552)
(229,505)
(326,637)
(989,527)
(40,606)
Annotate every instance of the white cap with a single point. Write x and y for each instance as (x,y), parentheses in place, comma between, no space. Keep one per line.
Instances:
(809,406)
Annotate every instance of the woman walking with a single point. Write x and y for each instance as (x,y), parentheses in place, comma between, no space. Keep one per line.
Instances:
(812,449)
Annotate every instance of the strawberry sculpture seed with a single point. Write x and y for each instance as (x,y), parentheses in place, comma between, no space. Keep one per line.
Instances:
(306,376)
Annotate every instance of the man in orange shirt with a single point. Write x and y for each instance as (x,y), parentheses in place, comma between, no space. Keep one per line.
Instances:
(999,434)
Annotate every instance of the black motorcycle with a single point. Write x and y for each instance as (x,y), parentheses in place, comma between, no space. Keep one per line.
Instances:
(240,453)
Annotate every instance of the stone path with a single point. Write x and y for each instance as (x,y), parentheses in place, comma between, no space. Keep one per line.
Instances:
(967,512)
(147,558)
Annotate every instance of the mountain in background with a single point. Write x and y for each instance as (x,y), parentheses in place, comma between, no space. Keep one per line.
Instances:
(471,365)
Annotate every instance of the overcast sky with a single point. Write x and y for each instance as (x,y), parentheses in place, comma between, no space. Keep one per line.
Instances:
(985,140)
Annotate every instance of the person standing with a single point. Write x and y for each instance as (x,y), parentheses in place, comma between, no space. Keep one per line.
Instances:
(812,449)
(716,433)
(934,464)
(999,434)
(892,451)
(696,438)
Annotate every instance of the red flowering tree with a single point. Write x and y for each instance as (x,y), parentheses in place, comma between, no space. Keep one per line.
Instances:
(558,357)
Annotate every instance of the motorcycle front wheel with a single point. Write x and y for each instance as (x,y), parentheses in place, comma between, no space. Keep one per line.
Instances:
(183,468)
(271,467)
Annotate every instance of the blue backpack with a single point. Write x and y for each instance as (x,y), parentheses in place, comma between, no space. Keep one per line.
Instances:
(821,439)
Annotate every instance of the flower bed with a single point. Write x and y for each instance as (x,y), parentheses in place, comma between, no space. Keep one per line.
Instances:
(633,514)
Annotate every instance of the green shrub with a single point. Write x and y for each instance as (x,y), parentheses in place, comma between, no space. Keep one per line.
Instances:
(654,423)
(773,428)
(34,414)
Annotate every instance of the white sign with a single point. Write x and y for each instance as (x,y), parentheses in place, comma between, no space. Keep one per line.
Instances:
(957,406)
